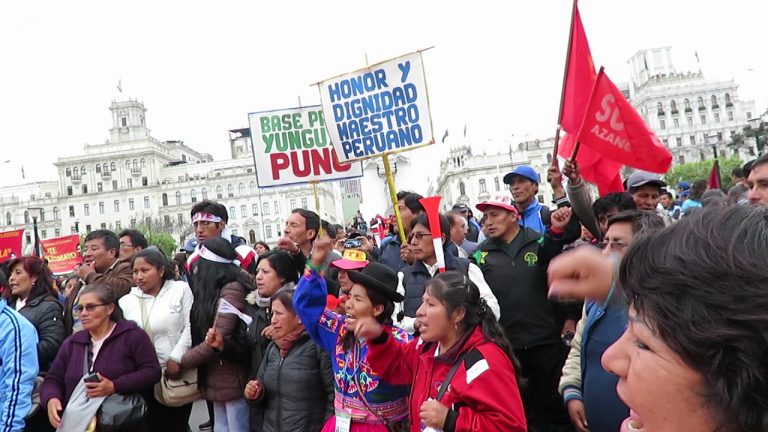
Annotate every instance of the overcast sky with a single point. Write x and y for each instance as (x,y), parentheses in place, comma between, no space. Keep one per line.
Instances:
(201,67)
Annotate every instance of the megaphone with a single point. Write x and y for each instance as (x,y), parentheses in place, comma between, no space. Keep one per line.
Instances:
(432,207)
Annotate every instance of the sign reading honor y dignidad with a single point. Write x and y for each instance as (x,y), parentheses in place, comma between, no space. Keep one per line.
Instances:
(292,146)
(379,109)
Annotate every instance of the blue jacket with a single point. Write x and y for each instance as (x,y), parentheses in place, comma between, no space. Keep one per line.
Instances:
(18,368)
(531,218)
(389,255)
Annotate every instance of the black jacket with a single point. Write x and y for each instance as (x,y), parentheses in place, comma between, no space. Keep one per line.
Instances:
(518,279)
(47,315)
(298,389)
(416,275)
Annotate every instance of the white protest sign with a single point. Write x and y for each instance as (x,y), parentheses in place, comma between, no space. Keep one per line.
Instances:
(379,109)
(292,146)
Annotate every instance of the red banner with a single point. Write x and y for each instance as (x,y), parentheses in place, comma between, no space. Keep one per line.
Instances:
(62,253)
(10,244)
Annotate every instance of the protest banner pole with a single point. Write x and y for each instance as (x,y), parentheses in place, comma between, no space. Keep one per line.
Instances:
(393,196)
(562,90)
(317,206)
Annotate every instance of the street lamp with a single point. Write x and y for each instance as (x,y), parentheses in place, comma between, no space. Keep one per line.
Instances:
(713,140)
(756,123)
(36,212)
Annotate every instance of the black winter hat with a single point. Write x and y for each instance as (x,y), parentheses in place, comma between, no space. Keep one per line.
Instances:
(380,278)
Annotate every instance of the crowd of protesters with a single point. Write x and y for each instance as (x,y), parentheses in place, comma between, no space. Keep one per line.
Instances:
(654,321)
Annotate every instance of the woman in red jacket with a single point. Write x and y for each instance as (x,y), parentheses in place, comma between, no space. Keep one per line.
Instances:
(460,369)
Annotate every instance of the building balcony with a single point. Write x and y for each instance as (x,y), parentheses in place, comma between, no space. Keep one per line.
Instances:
(106,175)
(77,178)
(136,171)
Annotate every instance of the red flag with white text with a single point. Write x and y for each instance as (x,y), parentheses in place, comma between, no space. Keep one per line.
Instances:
(613,128)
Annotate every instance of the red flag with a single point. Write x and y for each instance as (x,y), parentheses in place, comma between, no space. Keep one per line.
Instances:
(578,83)
(594,168)
(714,176)
(579,77)
(613,128)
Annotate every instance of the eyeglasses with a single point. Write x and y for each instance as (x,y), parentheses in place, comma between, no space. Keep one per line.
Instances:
(90,308)
(618,246)
(419,236)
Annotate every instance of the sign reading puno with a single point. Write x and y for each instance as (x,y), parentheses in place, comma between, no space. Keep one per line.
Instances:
(379,109)
(292,146)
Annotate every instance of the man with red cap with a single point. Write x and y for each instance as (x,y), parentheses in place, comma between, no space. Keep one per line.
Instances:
(514,261)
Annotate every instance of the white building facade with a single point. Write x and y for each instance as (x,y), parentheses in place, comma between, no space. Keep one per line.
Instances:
(473,178)
(135,179)
(694,116)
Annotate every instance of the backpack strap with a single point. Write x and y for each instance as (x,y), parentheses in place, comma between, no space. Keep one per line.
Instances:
(546,215)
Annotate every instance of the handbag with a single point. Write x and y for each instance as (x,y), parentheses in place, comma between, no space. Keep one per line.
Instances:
(178,392)
(36,396)
(119,412)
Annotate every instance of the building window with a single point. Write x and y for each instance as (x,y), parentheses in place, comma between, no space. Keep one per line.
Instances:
(144,181)
(57,232)
(123,121)
(193,195)
(269,231)
(133,222)
(86,210)
(117,206)
(679,141)
(676,122)
(496,183)
(8,219)
(101,207)
(205,193)
(178,197)
(714,102)
(164,197)
(243,211)
(146,202)
(252,188)
(292,203)
(728,100)
(681,159)
(69,190)
(43,233)
(114,184)
(666,143)
(717,117)
(265,209)
(218,192)
(700,104)
(88,229)
(277,208)
(482,186)
(111,166)
(68,172)
(702,156)
(303,203)
(660,109)
(232,211)
(71,211)
(703,118)
(147,221)
(85,189)
(56,213)
(690,120)
(167,219)
(749,115)
(692,139)
(103,225)
(662,124)
(241,189)
(82,170)
(462,189)
(130,183)
(143,163)
(98,168)
(673,107)
(730,115)
(135,163)
(687,105)
(99,187)
(230,191)
(255,209)
(75,172)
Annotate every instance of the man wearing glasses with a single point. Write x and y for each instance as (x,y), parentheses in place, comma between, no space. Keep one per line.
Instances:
(131,243)
(588,390)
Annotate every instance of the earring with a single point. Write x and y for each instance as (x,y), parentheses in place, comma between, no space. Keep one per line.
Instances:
(456,327)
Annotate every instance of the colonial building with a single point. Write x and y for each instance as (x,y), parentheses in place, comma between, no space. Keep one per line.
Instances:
(134,179)
(693,115)
(473,178)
